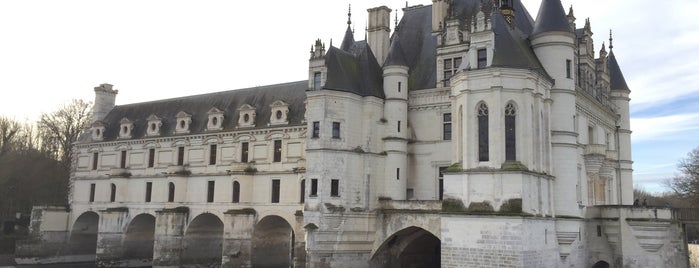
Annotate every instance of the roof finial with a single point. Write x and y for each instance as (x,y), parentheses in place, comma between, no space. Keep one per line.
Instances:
(396,21)
(610,40)
(349,15)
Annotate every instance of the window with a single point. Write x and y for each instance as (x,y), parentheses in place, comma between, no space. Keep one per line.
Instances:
(451,66)
(483,132)
(446,126)
(314,187)
(568,68)
(277,151)
(316,81)
(244,152)
(441,182)
(590,135)
(316,129)
(149,190)
(482,58)
(599,230)
(398,126)
(112,194)
(182,124)
(397,173)
(214,121)
(236,192)
(335,187)
(303,191)
(275,191)
(336,130)
(92,192)
(171,192)
(210,187)
(212,154)
(246,118)
(95,156)
(278,114)
(151,157)
(399,86)
(409,193)
(510,133)
(180,156)
(123,160)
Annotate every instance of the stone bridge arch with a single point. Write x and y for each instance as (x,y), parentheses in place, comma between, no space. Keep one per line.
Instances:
(203,241)
(83,234)
(410,247)
(273,242)
(139,239)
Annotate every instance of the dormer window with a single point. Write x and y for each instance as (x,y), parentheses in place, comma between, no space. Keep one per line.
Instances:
(280,110)
(183,122)
(482,58)
(215,119)
(125,128)
(154,124)
(97,131)
(246,116)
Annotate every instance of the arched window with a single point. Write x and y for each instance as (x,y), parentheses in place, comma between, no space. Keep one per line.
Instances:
(510,133)
(171,192)
(303,191)
(112,196)
(236,192)
(483,132)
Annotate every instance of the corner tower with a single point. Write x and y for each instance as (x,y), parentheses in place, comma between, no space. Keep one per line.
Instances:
(105,96)
(619,95)
(553,42)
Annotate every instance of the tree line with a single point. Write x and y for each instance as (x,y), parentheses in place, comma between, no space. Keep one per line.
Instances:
(35,158)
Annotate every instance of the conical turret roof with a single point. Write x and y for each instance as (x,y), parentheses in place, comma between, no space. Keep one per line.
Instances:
(551,18)
(616,77)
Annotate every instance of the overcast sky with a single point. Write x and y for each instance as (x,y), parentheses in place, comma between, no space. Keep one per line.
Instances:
(54,51)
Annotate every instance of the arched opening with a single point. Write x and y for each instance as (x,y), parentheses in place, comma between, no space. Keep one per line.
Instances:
(203,241)
(236,192)
(303,191)
(139,239)
(410,247)
(510,132)
(273,243)
(601,264)
(171,192)
(483,143)
(83,236)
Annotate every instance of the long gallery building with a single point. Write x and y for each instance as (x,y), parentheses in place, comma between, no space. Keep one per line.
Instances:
(466,135)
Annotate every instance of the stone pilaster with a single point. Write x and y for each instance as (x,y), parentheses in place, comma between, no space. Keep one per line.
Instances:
(299,242)
(238,227)
(169,233)
(112,226)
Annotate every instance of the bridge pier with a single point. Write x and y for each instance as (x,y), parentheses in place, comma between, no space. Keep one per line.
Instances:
(169,233)
(237,238)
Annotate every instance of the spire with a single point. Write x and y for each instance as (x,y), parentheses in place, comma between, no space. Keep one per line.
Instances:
(396,21)
(349,15)
(551,17)
(610,40)
(348,41)
(603,51)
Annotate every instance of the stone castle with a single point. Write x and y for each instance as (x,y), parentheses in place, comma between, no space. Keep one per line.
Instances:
(469,135)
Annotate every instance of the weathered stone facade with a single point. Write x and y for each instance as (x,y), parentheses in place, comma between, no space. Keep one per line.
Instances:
(473,136)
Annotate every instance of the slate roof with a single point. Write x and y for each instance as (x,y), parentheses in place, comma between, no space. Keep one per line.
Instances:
(354,70)
(417,46)
(616,77)
(551,17)
(293,93)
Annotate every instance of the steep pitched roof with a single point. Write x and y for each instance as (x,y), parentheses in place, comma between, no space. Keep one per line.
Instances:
(616,77)
(348,40)
(414,45)
(293,93)
(551,18)
(354,70)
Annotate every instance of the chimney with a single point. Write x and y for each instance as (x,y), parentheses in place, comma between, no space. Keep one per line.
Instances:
(378,32)
(439,14)
(105,97)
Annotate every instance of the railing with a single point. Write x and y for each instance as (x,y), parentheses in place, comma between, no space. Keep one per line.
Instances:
(688,214)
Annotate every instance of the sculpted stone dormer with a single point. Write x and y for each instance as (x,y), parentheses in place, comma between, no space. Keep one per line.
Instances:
(183,122)
(97,130)
(154,124)
(215,121)
(246,116)
(125,128)
(280,110)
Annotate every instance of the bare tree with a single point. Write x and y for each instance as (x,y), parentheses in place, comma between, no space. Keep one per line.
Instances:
(9,129)
(686,184)
(58,130)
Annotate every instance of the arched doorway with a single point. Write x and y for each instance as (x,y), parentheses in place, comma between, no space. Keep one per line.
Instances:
(83,236)
(407,248)
(138,241)
(273,243)
(601,264)
(203,242)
